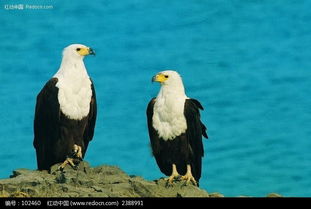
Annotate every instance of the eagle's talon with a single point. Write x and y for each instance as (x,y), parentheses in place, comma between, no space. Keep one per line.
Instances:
(67,161)
(173,177)
(187,182)
(169,184)
(170,181)
(189,178)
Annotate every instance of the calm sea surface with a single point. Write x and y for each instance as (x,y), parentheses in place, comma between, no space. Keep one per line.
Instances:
(248,62)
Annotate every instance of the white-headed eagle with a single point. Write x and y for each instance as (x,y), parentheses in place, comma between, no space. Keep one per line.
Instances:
(65,113)
(176,130)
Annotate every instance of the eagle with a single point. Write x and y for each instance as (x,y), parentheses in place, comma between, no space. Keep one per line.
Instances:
(175,130)
(65,113)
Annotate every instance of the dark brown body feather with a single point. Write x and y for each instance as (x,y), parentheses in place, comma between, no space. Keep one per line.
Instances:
(184,149)
(54,133)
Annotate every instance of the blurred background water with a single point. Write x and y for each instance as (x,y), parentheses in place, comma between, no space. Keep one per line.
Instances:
(248,62)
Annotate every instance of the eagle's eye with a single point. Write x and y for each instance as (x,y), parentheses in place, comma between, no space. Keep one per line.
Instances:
(78,49)
(166,76)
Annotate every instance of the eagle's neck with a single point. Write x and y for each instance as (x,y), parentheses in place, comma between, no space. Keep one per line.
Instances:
(74,86)
(72,69)
(172,92)
(168,118)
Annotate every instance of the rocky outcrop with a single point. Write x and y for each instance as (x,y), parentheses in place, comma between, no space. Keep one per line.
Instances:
(85,181)
(101,181)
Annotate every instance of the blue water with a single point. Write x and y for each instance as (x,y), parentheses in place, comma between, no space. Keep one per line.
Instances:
(248,62)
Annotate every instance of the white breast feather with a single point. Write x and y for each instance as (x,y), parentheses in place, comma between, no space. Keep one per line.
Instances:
(168,117)
(74,96)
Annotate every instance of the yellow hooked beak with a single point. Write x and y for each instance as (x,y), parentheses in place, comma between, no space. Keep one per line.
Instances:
(159,78)
(85,51)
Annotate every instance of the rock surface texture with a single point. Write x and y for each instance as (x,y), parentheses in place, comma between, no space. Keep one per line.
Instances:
(85,181)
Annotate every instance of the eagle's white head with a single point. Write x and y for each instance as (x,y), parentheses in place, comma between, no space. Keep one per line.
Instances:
(72,62)
(77,51)
(171,82)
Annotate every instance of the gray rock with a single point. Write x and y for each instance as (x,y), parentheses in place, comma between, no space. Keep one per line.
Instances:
(85,181)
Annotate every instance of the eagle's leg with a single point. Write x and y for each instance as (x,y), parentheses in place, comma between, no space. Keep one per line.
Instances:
(67,161)
(188,176)
(173,176)
(72,159)
(77,151)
